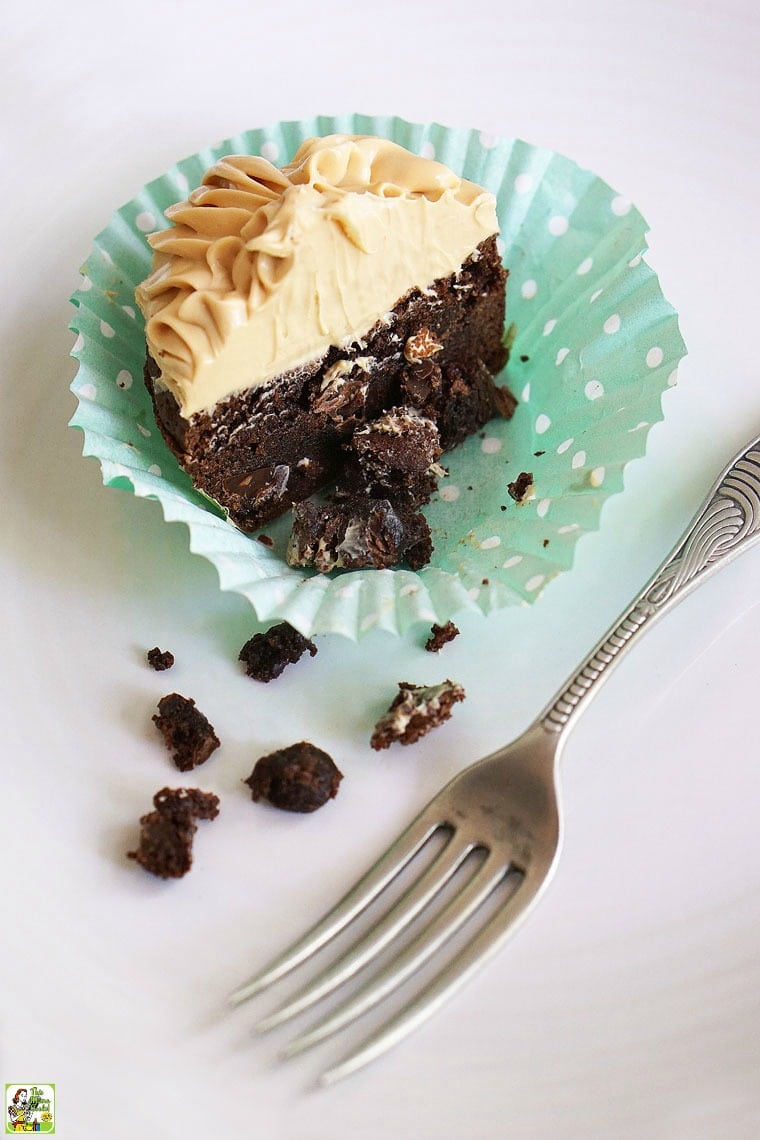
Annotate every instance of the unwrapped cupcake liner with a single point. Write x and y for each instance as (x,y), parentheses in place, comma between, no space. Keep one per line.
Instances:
(595,345)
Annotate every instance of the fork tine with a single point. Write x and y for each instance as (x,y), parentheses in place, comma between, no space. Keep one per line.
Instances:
(401,851)
(412,958)
(420,893)
(478,951)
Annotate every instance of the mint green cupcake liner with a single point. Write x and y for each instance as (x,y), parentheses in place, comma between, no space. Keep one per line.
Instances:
(595,346)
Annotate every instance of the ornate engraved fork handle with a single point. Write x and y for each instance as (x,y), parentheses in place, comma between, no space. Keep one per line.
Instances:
(727,523)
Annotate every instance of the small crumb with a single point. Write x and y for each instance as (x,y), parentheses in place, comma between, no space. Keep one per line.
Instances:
(165,846)
(538,454)
(415,710)
(522,488)
(525,359)
(266,655)
(265,540)
(299,778)
(186,731)
(545,543)
(160,659)
(503,507)
(470,487)
(440,635)
(485,582)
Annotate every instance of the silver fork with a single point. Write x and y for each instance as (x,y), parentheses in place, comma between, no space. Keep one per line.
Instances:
(506,806)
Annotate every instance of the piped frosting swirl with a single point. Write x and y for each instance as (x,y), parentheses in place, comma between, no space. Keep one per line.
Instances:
(262,270)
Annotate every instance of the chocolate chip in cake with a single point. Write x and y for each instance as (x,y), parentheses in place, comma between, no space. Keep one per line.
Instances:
(186,731)
(165,846)
(415,710)
(267,654)
(160,659)
(440,635)
(421,385)
(298,778)
(421,346)
(522,488)
(395,456)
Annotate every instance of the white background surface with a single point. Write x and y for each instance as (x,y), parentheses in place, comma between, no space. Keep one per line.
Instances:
(629,1006)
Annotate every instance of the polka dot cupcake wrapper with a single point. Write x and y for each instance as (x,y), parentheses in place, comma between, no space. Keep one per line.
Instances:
(595,347)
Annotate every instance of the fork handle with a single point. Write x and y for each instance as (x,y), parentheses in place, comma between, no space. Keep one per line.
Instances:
(727,523)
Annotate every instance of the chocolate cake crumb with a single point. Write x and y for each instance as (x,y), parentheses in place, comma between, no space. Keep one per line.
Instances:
(440,635)
(186,731)
(165,847)
(298,778)
(160,659)
(267,654)
(265,540)
(522,487)
(394,456)
(415,710)
(504,402)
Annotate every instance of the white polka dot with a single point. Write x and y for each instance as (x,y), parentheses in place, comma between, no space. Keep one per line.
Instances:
(585,266)
(543,423)
(143,431)
(655,357)
(348,591)
(270,151)
(181,182)
(145,221)
(639,426)
(561,355)
(86,284)
(620,206)
(550,326)
(568,528)
(106,329)
(88,392)
(487,139)
(368,621)
(523,183)
(78,343)
(564,446)
(490,543)
(542,508)
(534,582)
(129,311)
(515,560)
(500,246)
(526,393)
(450,493)
(124,379)
(529,289)
(427,150)
(558,225)
(490,445)
(596,478)
(594,389)
(154,469)
(635,261)
(612,324)
(106,256)
(578,460)
(673,378)
(595,296)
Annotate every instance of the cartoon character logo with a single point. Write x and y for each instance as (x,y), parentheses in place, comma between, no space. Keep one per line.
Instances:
(30,1109)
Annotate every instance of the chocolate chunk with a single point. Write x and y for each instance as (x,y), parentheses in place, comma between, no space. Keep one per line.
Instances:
(160,659)
(422,346)
(421,385)
(522,488)
(414,712)
(260,483)
(342,395)
(298,778)
(440,635)
(267,654)
(165,846)
(355,532)
(186,731)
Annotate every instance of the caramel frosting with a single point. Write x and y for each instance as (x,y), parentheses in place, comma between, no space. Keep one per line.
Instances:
(262,270)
